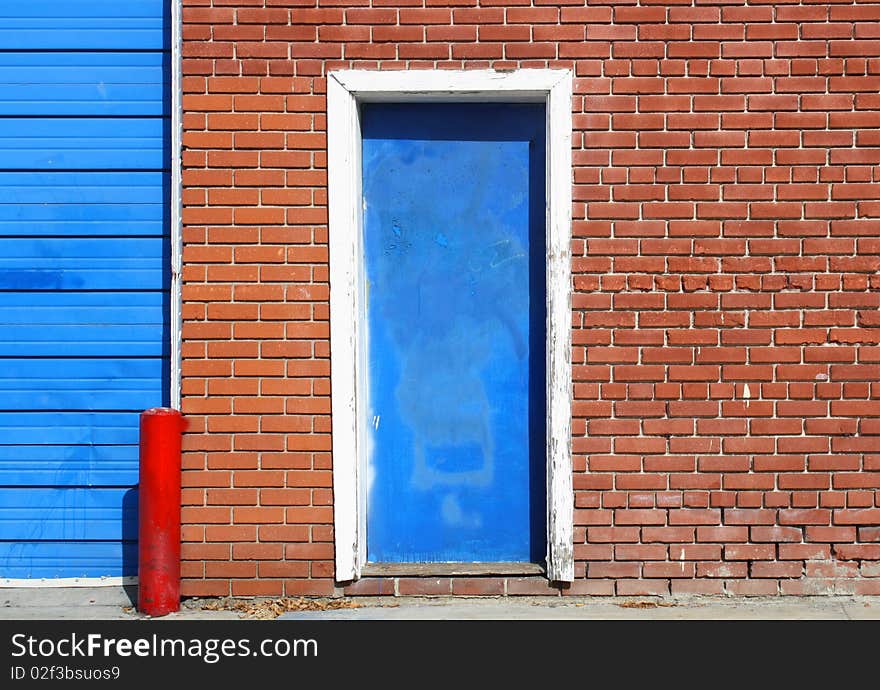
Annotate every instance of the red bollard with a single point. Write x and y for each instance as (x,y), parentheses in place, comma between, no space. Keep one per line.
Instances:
(159,511)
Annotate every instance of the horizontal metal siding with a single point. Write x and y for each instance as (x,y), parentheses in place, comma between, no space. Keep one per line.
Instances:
(84,24)
(102,383)
(104,263)
(34,204)
(68,514)
(90,465)
(41,559)
(85,324)
(45,429)
(123,83)
(38,143)
(84,276)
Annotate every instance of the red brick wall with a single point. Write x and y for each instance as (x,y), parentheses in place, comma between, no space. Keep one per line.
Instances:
(725,233)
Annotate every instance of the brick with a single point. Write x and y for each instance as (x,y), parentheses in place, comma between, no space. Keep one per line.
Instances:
(589,588)
(804,517)
(736,516)
(722,570)
(775,534)
(312,588)
(640,552)
(848,552)
(424,586)
(868,516)
(749,552)
(613,570)
(644,587)
(689,587)
(478,586)
(752,588)
(722,534)
(669,570)
(530,586)
(667,534)
(370,586)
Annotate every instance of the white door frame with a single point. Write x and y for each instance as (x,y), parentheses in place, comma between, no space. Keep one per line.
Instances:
(346,89)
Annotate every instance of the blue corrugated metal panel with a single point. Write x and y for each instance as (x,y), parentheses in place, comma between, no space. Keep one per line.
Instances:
(67,513)
(83,203)
(68,428)
(84,25)
(89,465)
(54,12)
(46,143)
(81,384)
(82,308)
(82,187)
(122,83)
(84,276)
(82,264)
(28,560)
(82,340)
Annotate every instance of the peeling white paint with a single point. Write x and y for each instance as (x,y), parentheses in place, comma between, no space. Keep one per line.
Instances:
(345,219)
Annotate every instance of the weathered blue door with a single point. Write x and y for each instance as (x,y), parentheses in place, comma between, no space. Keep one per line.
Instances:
(455,301)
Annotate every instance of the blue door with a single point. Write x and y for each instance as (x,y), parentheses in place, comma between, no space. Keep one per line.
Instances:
(455,317)
(84,228)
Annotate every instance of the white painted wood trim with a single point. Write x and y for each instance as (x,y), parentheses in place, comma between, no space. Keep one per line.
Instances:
(343,172)
(483,85)
(560,493)
(176,205)
(10,583)
(345,89)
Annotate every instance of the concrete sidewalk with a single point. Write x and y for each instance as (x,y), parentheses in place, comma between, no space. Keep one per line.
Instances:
(574,608)
(115,603)
(85,603)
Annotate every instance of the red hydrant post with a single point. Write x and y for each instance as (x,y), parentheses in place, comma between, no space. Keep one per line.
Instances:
(161,429)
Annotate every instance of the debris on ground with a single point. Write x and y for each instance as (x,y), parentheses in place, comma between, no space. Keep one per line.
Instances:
(644,604)
(269,609)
